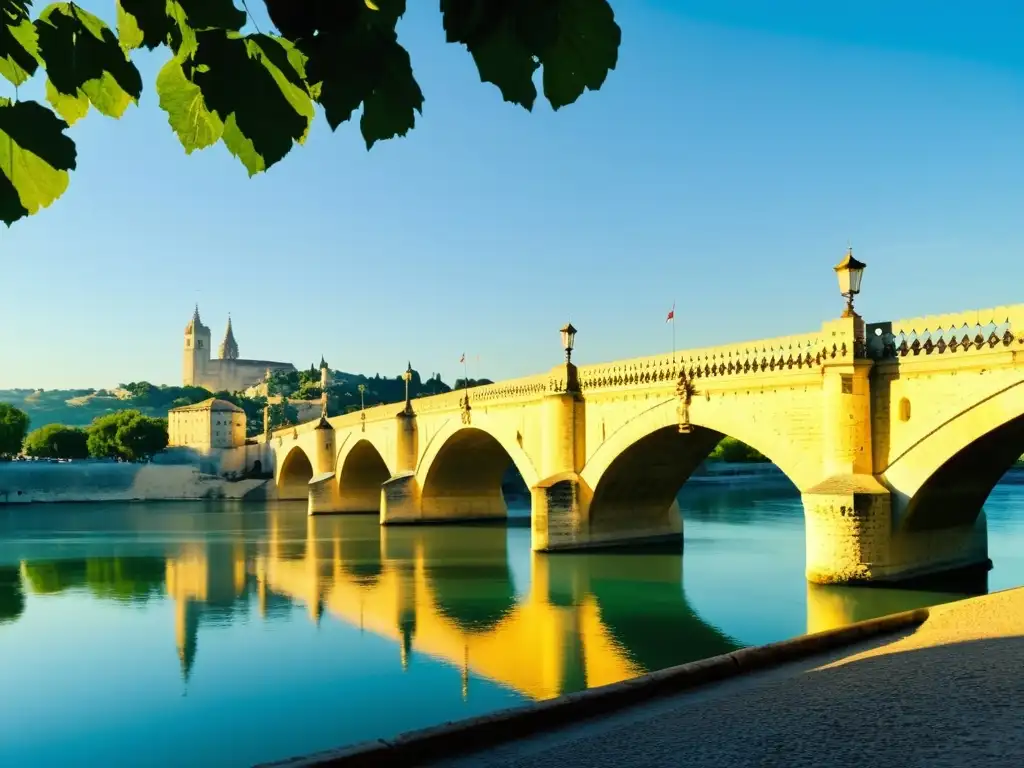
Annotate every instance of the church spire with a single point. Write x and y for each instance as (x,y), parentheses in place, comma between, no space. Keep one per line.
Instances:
(228,347)
(195,323)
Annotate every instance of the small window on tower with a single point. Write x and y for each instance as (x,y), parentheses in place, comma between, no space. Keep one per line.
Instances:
(199,343)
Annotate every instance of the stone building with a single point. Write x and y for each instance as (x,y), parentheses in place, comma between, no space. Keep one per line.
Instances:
(227,371)
(205,426)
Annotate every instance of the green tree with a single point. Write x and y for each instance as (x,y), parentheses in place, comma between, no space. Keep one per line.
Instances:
(256,92)
(13,422)
(126,435)
(57,441)
(283,414)
(140,437)
(102,435)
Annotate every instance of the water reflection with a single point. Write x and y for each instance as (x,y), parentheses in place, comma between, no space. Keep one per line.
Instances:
(12,596)
(396,628)
(449,593)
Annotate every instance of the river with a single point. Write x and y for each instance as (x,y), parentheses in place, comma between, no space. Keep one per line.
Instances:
(223,635)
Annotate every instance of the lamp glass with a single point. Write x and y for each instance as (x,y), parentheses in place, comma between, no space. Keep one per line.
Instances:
(568,337)
(849,279)
(855,277)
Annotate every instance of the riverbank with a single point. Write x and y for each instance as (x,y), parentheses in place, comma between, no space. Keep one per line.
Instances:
(945,694)
(942,691)
(102,481)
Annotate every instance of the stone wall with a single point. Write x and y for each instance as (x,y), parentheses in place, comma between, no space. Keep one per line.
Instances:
(176,474)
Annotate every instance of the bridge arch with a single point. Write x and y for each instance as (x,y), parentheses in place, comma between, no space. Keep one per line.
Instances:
(801,466)
(637,472)
(461,471)
(294,475)
(360,471)
(943,479)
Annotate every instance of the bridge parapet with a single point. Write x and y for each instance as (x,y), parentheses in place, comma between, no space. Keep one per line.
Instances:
(949,334)
(525,388)
(803,351)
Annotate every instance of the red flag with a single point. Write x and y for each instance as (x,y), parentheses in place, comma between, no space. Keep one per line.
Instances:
(463,358)
(671,314)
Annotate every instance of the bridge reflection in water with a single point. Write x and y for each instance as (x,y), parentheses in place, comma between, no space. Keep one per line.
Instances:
(448,593)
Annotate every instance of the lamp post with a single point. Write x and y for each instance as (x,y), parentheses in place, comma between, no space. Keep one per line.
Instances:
(849,272)
(568,341)
(407,377)
(362,389)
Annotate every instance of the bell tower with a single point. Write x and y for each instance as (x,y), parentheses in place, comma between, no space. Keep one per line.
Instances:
(197,351)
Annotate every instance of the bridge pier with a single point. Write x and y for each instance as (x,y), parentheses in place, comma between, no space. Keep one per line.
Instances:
(403,501)
(854,537)
(561,520)
(324,497)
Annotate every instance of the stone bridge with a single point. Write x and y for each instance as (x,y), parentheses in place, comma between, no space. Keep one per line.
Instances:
(894,433)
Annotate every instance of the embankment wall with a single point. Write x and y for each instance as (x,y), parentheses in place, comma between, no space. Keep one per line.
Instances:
(174,474)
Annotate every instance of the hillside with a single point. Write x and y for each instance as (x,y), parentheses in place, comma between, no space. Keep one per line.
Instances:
(74,407)
(79,407)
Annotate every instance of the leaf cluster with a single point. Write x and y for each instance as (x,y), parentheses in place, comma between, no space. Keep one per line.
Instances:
(256,92)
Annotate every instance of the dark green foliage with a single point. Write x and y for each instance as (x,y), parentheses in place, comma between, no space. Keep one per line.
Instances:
(57,441)
(461,383)
(283,414)
(731,449)
(256,92)
(13,426)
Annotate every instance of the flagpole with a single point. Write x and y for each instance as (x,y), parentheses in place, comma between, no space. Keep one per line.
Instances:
(673,330)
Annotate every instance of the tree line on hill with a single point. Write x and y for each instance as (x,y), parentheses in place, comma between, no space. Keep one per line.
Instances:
(138,431)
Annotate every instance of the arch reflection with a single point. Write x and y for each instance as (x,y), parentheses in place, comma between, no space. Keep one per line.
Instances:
(449,593)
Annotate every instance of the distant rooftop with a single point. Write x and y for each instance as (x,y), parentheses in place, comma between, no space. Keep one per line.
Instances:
(210,404)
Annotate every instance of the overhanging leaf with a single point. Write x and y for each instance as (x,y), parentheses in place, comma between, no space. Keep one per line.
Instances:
(214,14)
(366,66)
(71,108)
(576,42)
(255,89)
(35,157)
(390,110)
(82,55)
(490,32)
(195,125)
(585,50)
(143,23)
(19,46)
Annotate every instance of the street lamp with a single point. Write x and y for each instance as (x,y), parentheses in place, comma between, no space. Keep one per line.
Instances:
(568,340)
(362,389)
(407,377)
(849,272)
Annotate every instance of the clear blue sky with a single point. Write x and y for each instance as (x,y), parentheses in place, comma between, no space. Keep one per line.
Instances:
(724,165)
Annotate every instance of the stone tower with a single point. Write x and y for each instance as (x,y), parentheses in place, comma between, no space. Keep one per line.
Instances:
(197,350)
(229,347)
